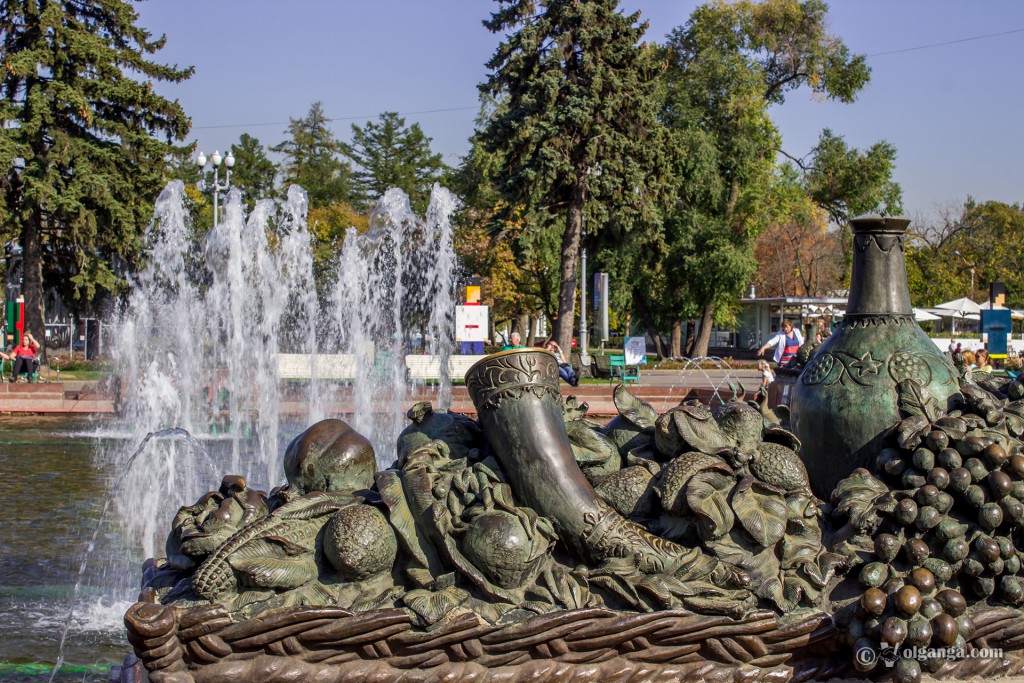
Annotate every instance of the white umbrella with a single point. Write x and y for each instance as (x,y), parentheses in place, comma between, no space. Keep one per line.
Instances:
(960,307)
(921,315)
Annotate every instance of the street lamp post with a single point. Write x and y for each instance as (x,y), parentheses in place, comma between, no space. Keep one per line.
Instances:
(584,337)
(218,187)
(594,171)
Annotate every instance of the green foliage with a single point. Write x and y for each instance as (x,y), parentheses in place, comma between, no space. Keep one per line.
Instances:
(254,172)
(847,182)
(517,279)
(391,154)
(724,69)
(311,160)
(573,130)
(84,139)
(985,238)
(804,249)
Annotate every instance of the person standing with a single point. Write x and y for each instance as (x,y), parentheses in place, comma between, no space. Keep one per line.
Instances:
(767,377)
(786,343)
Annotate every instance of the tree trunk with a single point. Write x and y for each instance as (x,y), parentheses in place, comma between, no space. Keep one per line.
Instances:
(700,343)
(652,331)
(530,338)
(677,338)
(570,262)
(32,277)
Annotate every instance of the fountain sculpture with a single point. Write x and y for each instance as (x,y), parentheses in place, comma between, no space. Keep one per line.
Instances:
(531,543)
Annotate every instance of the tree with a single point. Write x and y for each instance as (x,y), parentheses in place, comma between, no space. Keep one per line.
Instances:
(83,139)
(801,252)
(494,243)
(391,154)
(254,172)
(311,160)
(725,68)
(574,125)
(966,248)
(847,182)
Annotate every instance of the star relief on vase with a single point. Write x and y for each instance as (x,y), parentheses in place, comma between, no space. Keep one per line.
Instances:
(865,365)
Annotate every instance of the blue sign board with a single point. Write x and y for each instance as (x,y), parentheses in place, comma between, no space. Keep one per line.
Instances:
(996,324)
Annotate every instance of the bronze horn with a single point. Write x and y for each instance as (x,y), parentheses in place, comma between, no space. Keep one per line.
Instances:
(520,409)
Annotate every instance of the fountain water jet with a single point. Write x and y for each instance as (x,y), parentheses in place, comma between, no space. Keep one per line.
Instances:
(395,294)
(199,338)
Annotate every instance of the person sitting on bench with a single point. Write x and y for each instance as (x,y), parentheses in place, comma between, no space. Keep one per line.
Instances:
(565,370)
(25,358)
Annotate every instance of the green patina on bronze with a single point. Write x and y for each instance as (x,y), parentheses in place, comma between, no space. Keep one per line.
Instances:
(534,543)
(846,398)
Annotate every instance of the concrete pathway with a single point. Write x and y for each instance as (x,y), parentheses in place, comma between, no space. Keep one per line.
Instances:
(663,389)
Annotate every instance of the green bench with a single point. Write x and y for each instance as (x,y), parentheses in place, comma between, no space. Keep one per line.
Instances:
(620,371)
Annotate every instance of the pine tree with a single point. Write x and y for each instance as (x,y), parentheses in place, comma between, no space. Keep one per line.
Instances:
(311,160)
(574,125)
(391,154)
(83,139)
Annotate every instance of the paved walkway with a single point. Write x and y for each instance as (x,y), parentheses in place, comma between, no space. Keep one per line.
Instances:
(663,389)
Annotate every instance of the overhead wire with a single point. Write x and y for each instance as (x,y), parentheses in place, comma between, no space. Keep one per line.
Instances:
(948,42)
(452,109)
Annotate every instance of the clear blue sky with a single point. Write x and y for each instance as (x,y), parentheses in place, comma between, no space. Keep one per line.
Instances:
(953,111)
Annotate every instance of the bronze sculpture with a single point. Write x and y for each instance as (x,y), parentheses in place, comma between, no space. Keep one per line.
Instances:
(532,543)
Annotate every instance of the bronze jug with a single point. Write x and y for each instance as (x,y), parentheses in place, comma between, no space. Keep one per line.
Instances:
(845,400)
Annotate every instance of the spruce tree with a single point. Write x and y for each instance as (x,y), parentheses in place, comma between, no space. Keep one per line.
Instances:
(391,154)
(254,172)
(311,160)
(575,124)
(83,139)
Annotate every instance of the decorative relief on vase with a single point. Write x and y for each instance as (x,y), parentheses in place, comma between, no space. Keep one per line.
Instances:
(830,368)
(903,365)
(512,374)
(861,321)
(884,242)
(862,370)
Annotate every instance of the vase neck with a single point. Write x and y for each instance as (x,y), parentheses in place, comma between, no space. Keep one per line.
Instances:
(878,283)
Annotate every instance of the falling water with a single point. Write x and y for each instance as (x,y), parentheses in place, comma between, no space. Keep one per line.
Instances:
(114,490)
(197,347)
(395,295)
(198,341)
(725,384)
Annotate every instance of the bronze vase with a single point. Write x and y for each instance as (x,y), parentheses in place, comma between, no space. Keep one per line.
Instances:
(845,400)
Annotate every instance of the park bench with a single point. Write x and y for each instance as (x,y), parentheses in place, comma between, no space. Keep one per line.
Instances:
(328,366)
(601,366)
(621,371)
(576,361)
(423,367)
